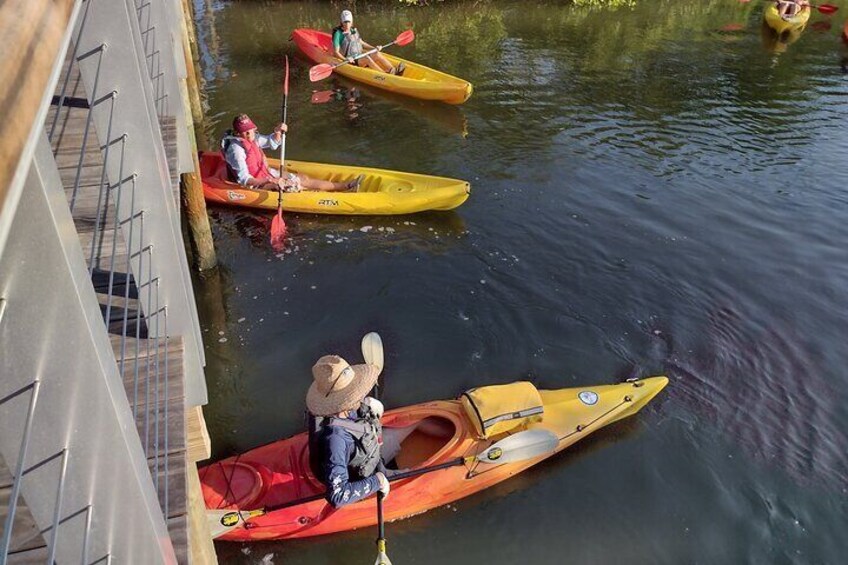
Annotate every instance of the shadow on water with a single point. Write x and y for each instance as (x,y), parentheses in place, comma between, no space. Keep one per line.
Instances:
(426,231)
(357,100)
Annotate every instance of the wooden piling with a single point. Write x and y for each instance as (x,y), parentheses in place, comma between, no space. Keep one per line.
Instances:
(200,233)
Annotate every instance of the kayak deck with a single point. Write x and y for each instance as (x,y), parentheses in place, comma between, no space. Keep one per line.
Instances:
(416,436)
(417,80)
(382,192)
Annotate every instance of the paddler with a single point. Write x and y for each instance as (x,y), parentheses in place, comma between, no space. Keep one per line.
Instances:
(347,44)
(345,434)
(790,8)
(247,165)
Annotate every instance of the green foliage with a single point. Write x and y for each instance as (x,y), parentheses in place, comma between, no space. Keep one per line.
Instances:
(604,3)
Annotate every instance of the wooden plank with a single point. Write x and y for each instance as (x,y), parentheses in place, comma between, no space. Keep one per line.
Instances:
(176,484)
(32,32)
(199,443)
(201,548)
(178,531)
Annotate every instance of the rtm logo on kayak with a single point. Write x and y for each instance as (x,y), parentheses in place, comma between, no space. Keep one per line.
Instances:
(232,195)
(494,454)
(381,78)
(328,202)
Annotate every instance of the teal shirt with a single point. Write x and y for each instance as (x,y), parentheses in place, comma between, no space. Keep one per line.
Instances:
(337,38)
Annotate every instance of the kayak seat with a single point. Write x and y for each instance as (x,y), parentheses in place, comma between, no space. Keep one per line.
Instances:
(425,440)
(235,484)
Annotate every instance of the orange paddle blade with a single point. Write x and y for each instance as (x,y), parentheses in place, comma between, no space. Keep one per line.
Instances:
(322,96)
(278,230)
(320,72)
(405,38)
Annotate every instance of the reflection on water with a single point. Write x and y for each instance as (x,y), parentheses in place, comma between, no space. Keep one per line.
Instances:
(656,190)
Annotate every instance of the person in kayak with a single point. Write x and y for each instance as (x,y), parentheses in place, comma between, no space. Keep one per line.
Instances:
(247,165)
(347,44)
(345,434)
(790,8)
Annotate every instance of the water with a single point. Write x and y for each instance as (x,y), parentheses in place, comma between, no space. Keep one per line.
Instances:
(655,190)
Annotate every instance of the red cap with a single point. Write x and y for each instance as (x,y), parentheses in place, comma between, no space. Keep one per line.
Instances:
(243,123)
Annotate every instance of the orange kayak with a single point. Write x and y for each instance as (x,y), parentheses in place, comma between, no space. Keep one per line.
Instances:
(417,80)
(425,434)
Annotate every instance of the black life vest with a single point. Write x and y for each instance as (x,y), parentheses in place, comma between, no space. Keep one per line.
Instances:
(367,434)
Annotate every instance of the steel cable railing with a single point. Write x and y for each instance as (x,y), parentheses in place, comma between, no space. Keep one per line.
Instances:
(119,231)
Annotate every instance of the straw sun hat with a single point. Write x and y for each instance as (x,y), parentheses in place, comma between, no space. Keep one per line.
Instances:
(337,385)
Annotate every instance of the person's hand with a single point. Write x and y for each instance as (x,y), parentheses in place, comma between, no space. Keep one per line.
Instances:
(379,48)
(281,128)
(384,484)
(374,405)
(351,60)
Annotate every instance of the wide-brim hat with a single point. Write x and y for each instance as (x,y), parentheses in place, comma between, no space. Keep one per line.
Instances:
(338,385)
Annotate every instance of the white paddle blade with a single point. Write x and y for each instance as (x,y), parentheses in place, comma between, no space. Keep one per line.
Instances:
(520,447)
(382,559)
(372,349)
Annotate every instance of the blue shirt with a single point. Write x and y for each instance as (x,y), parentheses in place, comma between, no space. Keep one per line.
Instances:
(236,156)
(338,450)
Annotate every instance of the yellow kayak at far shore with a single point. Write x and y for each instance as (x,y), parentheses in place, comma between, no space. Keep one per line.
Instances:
(417,80)
(779,25)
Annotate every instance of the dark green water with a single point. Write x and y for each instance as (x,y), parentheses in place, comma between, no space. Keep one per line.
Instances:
(659,189)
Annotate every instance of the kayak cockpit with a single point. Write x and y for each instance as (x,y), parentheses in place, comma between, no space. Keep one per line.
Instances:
(412,446)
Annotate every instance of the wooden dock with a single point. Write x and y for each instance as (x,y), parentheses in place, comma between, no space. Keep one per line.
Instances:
(168,430)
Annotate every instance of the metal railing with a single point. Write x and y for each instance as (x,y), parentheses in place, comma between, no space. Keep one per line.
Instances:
(66,429)
(78,323)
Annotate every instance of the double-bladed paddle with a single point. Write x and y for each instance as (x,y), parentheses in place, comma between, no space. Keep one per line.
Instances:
(826,9)
(521,446)
(322,71)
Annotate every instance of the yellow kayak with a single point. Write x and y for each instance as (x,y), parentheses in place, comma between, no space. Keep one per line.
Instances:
(779,25)
(417,80)
(382,192)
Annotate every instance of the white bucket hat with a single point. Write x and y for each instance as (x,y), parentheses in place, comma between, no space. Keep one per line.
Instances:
(347,16)
(337,386)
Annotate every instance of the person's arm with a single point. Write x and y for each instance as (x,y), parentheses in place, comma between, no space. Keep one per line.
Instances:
(340,490)
(337,46)
(270,141)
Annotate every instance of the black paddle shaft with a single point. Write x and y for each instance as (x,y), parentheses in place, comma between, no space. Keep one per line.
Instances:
(382,526)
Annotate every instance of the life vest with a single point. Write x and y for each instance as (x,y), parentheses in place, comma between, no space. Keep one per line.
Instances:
(351,45)
(367,434)
(257,166)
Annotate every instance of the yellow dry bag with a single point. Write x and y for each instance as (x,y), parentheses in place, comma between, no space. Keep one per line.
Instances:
(502,408)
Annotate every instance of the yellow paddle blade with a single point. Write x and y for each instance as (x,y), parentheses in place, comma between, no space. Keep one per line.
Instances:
(382,558)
